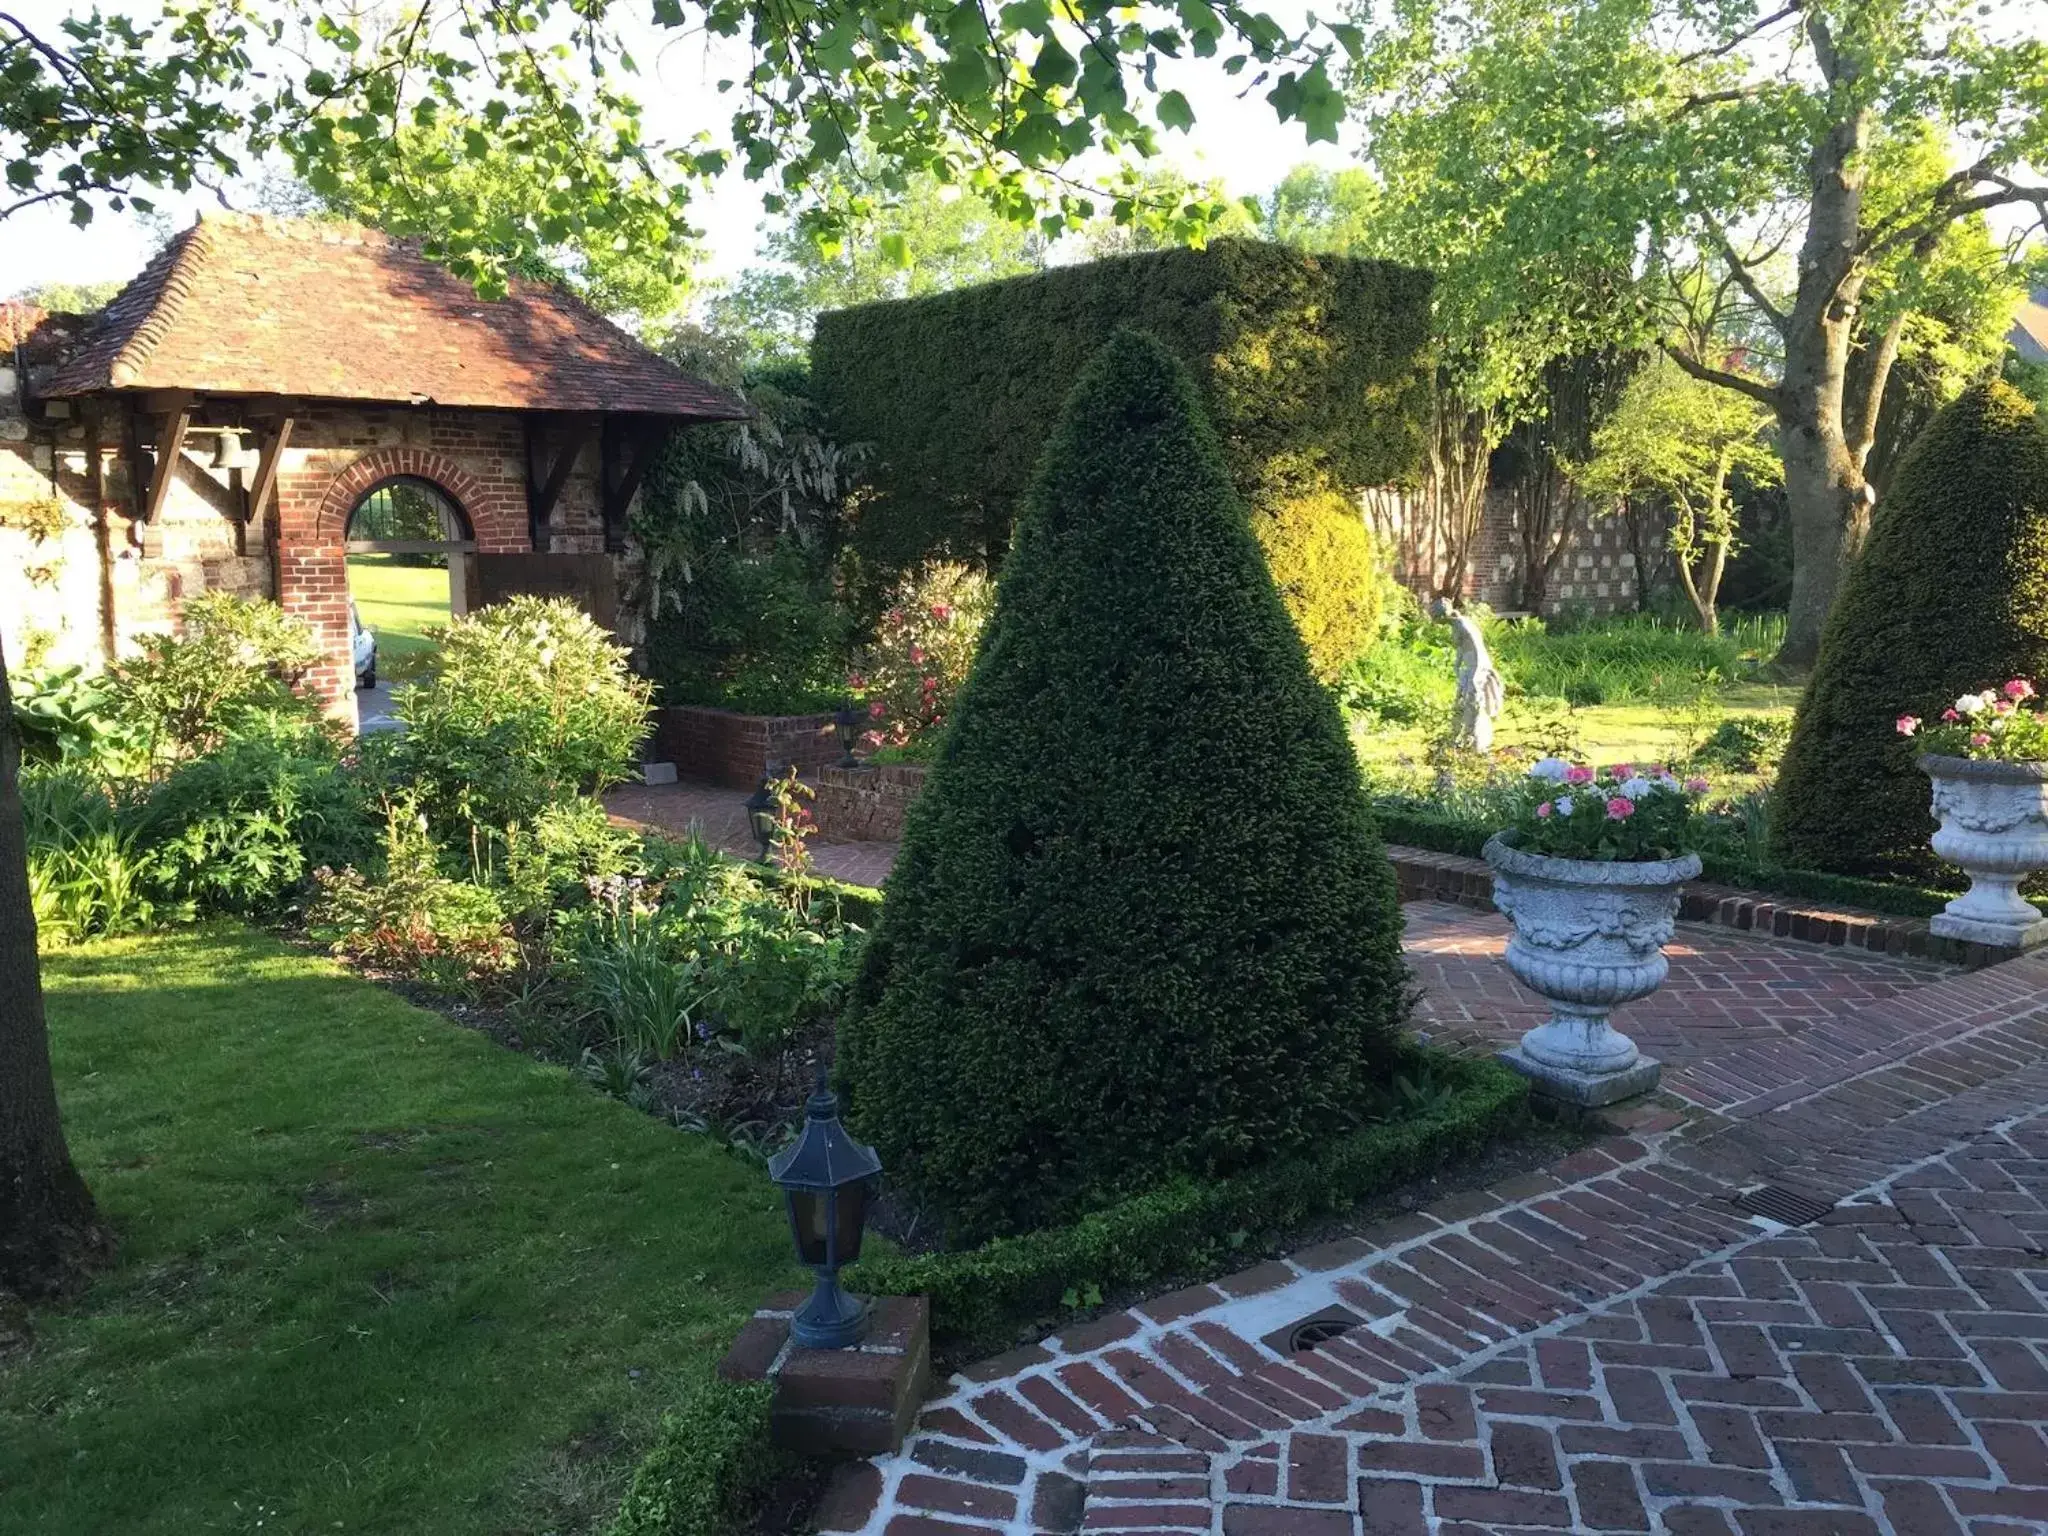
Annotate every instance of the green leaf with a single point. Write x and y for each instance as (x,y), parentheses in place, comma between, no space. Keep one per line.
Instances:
(1175,112)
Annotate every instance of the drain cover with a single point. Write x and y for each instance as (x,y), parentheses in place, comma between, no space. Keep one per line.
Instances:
(1319,1330)
(1782,1205)
(1307,1332)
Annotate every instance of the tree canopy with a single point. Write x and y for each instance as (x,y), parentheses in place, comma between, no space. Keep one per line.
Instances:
(1573,140)
(105,111)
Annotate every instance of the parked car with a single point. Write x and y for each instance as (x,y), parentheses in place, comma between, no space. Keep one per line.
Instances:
(363,641)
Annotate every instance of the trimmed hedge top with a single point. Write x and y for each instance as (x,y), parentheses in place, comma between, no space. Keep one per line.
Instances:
(1949,597)
(1310,367)
(1141,925)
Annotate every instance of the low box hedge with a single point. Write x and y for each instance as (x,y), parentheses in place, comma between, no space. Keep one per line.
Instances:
(1192,1230)
(711,1464)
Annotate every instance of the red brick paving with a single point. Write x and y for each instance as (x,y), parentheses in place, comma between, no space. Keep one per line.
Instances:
(1614,1346)
(719,816)
(1737,1017)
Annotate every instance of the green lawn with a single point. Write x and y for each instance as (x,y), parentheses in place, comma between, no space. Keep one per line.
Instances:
(377,1273)
(1606,732)
(398,602)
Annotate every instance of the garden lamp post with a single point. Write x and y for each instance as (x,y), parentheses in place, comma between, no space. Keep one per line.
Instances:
(828,1179)
(761,819)
(846,723)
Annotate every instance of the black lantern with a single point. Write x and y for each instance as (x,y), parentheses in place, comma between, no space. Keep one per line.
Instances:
(761,811)
(829,1179)
(846,722)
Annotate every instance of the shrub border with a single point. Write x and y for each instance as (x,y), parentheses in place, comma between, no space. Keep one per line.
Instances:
(711,1463)
(1187,1230)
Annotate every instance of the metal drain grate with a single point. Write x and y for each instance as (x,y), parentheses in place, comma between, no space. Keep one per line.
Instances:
(1317,1330)
(1785,1206)
(1308,1332)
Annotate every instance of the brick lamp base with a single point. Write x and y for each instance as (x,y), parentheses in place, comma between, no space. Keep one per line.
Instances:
(857,1401)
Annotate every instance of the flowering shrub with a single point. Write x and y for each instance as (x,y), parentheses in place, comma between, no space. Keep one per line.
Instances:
(1572,811)
(2005,724)
(907,677)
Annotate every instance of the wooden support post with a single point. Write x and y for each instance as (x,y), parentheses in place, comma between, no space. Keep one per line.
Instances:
(546,479)
(626,452)
(170,442)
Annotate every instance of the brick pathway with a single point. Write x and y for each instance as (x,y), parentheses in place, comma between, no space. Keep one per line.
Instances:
(1737,1016)
(719,816)
(1614,1345)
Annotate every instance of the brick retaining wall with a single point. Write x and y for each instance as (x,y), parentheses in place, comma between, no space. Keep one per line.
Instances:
(865,804)
(719,746)
(1427,876)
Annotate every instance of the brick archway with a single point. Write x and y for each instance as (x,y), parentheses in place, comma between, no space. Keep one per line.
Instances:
(496,525)
(313,514)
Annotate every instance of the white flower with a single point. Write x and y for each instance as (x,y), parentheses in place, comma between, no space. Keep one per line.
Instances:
(1668,781)
(1563,804)
(1634,788)
(1552,769)
(1973,703)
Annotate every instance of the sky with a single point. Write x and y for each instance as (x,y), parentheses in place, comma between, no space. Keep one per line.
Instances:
(1236,139)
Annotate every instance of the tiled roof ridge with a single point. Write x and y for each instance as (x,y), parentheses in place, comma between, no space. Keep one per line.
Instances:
(180,259)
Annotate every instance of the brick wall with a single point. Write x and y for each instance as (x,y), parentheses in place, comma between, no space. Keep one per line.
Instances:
(865,804)
(720,747)
(1595,573)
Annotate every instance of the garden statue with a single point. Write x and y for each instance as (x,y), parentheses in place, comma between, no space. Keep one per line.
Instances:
(1481,695)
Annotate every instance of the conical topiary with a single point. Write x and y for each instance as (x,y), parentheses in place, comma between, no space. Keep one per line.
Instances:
(1141,924)
(1950,596)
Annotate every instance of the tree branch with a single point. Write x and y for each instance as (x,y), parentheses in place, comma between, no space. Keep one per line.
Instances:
(1744,278)
(1757,27)
(1862,432)
(1947,208)
(1721,376)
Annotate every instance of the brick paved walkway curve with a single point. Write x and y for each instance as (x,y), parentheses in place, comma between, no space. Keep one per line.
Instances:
(1614,1346)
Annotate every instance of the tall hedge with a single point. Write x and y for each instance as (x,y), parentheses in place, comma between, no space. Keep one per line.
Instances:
(1310,368)
(1141,925)
(1950,596)
(1329,573)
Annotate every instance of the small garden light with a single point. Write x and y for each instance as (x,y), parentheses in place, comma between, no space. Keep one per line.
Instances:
(828,1179)
(761,811)
(846,723)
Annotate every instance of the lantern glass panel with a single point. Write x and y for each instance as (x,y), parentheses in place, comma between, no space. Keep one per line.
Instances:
(809,1215)
(852,1219)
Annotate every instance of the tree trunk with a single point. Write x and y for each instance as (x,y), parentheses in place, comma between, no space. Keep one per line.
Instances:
(1825,491)
(50,1232)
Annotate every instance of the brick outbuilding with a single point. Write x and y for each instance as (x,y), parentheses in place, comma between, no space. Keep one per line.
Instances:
(229,417)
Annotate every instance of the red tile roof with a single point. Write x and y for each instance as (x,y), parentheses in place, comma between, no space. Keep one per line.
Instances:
(242,304)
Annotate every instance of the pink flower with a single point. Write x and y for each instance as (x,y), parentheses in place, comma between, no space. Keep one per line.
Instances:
(917,655)
(1622,771)
(1906,725)
(1656,771)
(2001,706)
(2019,688)
(1696,786)
(1950,715)
(931,685)
(855,680)
(1543,811)
(942,611)
(1620,808)
(894,616)
(876,710)
(1979,739)
(1578,773)
(871,738)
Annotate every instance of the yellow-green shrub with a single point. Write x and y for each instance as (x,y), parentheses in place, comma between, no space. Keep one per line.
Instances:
(1324,563)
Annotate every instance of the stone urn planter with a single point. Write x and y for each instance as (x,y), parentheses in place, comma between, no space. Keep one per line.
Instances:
(1589,936)
(1994,824)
